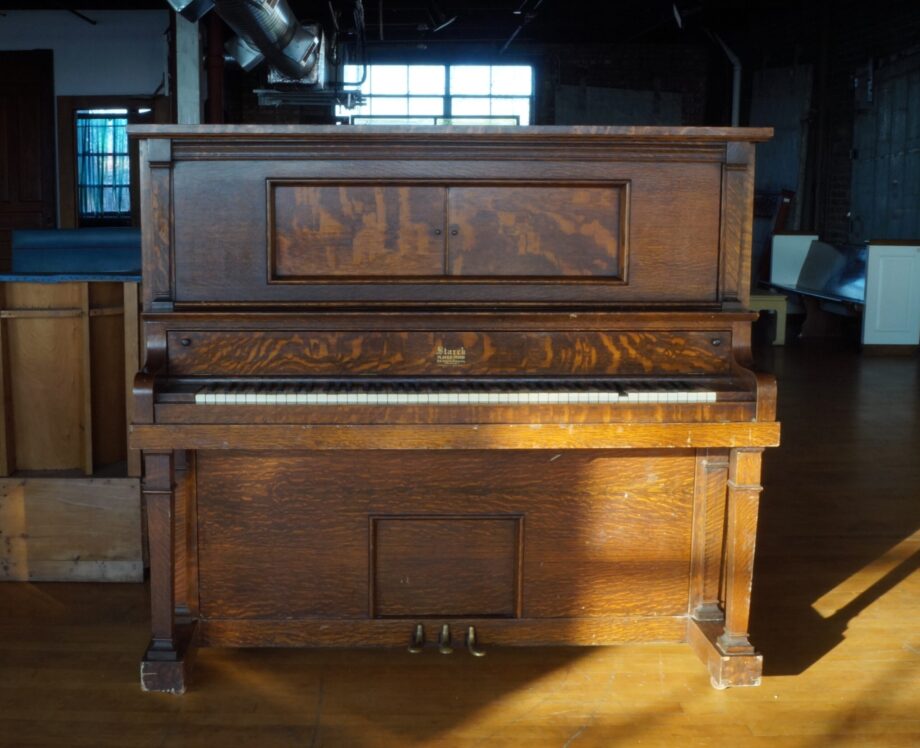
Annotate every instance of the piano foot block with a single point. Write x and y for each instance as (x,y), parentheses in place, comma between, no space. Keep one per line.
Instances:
(168,671)
(739,669)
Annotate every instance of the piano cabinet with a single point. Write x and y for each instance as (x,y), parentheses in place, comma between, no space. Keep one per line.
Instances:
(445,388)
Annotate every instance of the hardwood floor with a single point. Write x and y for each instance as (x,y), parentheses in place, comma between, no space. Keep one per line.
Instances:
(836,613)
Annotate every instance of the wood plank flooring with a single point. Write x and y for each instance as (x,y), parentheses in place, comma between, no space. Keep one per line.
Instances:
(836,613)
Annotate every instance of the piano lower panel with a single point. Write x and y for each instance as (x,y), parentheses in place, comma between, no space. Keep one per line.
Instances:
(555,543)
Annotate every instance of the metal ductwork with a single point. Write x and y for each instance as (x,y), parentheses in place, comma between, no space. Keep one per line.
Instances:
(266,30)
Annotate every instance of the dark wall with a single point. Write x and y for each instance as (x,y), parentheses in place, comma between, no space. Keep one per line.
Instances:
(855,33)
(677,72)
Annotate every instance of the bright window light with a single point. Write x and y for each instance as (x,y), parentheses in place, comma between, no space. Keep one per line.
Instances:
(440,94)
(103,167)
(470,80)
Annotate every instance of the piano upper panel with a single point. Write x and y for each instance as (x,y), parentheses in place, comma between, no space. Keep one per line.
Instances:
(446,216)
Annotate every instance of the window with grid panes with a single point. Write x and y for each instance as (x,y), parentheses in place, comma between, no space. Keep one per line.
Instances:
(440,94)
(103,165)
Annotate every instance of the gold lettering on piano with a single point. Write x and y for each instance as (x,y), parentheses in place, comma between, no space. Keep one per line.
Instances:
(451,356)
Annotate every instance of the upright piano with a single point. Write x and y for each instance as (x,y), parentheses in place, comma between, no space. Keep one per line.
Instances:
(449,389)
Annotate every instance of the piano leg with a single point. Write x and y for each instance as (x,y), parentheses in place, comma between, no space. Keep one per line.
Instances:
(165,663)
(721,639)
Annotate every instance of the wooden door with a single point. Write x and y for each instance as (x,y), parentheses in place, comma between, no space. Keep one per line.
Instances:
(26,144)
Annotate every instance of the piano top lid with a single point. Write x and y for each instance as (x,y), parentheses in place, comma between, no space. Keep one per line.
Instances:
(484,133)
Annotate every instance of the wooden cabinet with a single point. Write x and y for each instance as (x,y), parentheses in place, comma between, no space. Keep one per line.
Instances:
(65,375)
(68,353)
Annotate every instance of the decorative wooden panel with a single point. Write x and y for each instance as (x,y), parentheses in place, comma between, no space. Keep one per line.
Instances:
(536,231)
(474,572)
(292,352)
(355,230)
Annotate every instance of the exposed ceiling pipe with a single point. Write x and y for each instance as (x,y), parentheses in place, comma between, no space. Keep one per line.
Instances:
(528,16)
(736,78)
(266,30)
(270,27)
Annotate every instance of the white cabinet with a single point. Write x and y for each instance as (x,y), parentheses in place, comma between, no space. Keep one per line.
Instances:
(892,313)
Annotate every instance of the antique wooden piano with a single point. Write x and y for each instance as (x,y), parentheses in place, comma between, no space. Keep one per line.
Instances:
(449,388)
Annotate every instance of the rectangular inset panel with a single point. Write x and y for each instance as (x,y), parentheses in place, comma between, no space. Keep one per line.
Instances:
(537,231)
(354,230)
(445,566)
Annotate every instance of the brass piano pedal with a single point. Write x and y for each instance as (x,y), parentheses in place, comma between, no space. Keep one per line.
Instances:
(472,645)
(417,643)
(444,646)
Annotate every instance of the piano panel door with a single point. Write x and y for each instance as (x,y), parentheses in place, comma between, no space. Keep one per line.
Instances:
(536,231)
(356,230)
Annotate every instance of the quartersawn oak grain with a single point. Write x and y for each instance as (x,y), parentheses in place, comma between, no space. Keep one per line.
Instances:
(407,353)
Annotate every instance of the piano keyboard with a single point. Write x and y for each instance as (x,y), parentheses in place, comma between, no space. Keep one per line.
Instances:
(375,393)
